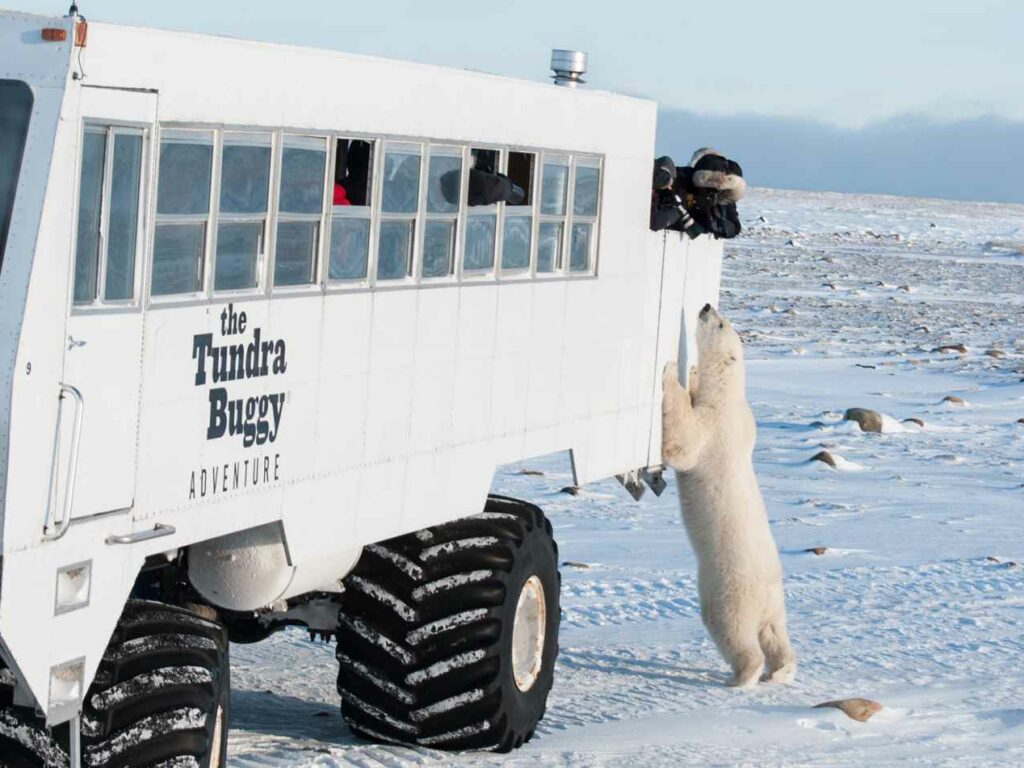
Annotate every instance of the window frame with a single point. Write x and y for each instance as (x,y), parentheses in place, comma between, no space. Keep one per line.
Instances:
(110,129)
(416,217)
(266,264)
(527,272)
(268,219)
(542,218)
(469,212)
(582,160)
(206,219)
(321,219)
(456,217)
(342,285)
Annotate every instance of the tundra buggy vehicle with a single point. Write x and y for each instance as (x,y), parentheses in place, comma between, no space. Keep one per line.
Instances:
(262,347)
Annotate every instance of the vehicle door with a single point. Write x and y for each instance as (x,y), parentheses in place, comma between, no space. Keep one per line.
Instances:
(102,364)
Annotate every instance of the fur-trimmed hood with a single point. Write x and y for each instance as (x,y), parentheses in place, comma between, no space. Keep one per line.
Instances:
(713,170)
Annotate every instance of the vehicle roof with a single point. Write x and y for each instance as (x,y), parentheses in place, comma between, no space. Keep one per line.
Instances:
(168,34)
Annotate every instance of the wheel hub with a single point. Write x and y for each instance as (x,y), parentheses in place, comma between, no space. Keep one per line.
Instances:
(528,634)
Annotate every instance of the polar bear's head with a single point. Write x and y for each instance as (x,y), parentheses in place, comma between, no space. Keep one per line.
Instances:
(719,357)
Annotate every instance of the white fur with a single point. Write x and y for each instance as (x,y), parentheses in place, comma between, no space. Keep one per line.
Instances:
(708,438)
(730,185)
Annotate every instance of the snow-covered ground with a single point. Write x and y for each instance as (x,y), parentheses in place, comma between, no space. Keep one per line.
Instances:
(918,601)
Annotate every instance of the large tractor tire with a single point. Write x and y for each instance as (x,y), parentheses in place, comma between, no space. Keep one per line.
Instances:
(447,637)
(160,698)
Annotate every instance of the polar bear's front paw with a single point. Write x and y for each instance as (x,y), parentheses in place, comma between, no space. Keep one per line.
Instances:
(670,376)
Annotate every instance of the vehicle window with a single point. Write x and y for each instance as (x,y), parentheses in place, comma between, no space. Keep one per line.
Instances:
(554,187)
(553,195)
(90,206)
(401,179)
(481,220)
(480,242)
(350,246)
(110,183)
(399,206)
(15,112)
(349,252)
(395,252)
(303,162)
(242,219)
(444,181)
(549,246)
(183,212)
(300,208)
(353,171)
(185,167)
(579,255)
(586,192)
(518,229)
(123,224)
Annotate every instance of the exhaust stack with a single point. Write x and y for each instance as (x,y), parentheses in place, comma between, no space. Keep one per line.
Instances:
(569,67)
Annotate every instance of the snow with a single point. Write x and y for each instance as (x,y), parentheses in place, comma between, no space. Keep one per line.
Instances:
(918,602)
(382,595)
(460,619)
(460,545)
(450,582)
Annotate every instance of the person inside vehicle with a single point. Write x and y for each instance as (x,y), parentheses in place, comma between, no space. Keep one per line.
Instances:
(351,172)
(486,186)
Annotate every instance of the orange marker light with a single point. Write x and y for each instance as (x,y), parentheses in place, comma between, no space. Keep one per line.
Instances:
(55,35)
(81,33)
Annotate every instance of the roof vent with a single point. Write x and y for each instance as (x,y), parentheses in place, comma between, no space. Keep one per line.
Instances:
(569,67)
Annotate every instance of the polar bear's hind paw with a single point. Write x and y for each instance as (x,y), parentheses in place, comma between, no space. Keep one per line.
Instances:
(782,676)
(745,682)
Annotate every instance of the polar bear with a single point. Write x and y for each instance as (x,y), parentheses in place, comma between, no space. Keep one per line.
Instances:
(708,438)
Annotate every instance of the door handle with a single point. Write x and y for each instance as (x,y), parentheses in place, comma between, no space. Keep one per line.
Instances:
(60,527)
(158,531)
(74,343)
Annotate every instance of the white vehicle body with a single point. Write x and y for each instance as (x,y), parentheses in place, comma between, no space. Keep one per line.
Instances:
(387,405)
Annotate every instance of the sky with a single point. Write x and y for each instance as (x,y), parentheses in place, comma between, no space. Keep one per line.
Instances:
(843,66)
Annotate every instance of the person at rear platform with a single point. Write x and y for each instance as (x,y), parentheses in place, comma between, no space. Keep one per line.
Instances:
(699,198)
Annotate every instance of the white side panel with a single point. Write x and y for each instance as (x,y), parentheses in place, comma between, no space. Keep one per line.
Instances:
(692,274)
(24,55)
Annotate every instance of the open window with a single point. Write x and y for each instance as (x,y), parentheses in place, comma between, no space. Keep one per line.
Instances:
(182,212)
(586,196)
(299,210)
(400,195)
(553,208)
(481,220)
(242,216)
(108,232)
(352,195)
(444,183)
(517,236)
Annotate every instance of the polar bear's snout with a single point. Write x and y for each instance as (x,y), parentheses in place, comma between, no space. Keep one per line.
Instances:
(706,311)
